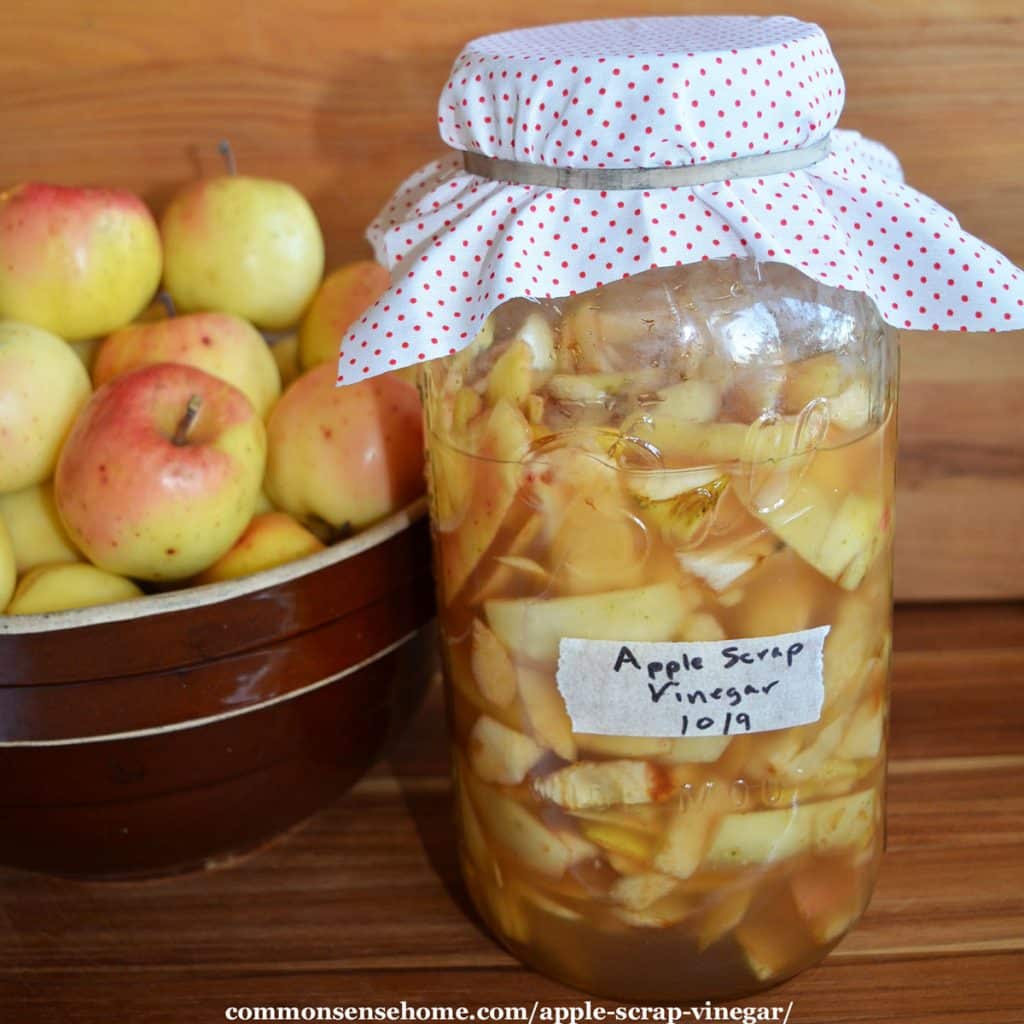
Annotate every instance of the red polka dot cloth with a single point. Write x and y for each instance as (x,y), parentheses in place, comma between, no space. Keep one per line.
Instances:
(654,93)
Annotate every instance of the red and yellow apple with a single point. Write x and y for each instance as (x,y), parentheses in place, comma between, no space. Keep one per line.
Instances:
(64,586)
(286,354)
(345,294)
(269,540)
(37,535)
(8,568)
(42,387)
(219,343)
(161,472)
(346,456)
(242,245)
(79,262)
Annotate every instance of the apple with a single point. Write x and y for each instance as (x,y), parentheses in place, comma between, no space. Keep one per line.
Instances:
(344,295)
(286,354)
(161,472)
(8,567)
(42,387)
(64,586)
(86,351)
(346,456)
(37,534)
(270,539)
(219,343)
(242,245)
(79,262)
(263,505)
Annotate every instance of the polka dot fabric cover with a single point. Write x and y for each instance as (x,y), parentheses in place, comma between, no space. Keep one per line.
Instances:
(658,92)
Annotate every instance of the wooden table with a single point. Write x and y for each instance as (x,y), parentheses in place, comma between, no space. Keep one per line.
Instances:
(362,905)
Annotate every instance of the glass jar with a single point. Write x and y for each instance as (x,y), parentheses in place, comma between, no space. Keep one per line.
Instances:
(701,456)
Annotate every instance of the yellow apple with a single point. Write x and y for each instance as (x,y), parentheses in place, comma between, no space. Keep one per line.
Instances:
(347,456)
(158,309)
(345,294)
(64,586)
(161,472)
(37,534)
(86,351)
(8,569)
(79,262)
(219,343)
(243,245)
(42,387)
(270,539)
(286,354)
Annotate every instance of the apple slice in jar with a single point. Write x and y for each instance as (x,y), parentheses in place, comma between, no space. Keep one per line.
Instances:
(840,541)
(450,479)
(779,596)
(718,566)
(544,710)
(497,473)
(601,388)
(834,378)
(803,765)
(598,784)
(685,521)
(727,910)
(856,652)
(820,376)
(514,573)
(532,629)
(866,730)
(683,444)
(523,835)
(548,904)
(626,846)
(697,400)
(638,892)
(599,547)
(763,837)
(511,378)
(561,474)
(492,668)
(774,940)
(672,909)
(667,751)
(461,369)
(851,409)
(753,392)
(829,896)
(470,698)
(472,834)
(689,831)
(500,754)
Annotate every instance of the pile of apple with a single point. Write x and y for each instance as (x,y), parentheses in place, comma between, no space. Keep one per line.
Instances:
(145,441)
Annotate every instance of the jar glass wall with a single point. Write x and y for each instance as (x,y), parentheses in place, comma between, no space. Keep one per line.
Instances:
(697,453)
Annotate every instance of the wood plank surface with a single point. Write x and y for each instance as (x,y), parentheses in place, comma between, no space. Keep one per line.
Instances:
(362,905)
(338,96)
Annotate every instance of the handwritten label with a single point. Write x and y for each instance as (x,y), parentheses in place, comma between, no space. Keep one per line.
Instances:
(710,688)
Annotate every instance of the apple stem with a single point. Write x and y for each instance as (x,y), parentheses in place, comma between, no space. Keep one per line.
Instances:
(187,421)
(224,147)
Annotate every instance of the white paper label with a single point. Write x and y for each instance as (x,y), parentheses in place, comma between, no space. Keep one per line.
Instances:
(710,688)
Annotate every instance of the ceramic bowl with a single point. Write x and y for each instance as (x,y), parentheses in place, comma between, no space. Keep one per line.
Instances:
(159,734)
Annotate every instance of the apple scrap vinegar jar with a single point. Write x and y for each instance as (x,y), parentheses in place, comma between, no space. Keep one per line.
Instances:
(654,292)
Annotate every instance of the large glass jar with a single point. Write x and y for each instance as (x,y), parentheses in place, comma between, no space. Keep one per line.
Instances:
(699,456)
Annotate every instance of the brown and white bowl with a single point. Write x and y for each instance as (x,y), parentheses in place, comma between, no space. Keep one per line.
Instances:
(151,736)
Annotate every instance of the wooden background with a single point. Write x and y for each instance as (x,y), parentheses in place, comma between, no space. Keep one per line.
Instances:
(338,97)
